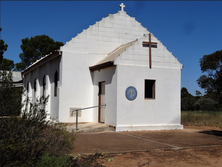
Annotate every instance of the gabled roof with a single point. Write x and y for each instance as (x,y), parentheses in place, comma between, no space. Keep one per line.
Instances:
(109,59)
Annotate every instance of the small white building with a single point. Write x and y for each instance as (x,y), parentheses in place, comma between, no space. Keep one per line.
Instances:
(116,62)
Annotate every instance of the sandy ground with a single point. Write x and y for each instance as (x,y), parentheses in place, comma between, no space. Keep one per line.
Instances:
(191,147)
(192,157)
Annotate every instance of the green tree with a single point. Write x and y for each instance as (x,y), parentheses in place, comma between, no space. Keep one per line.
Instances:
(211,65)
(3,48)
(206,104)
(185,93)
(198,93)
(5,64)
(36,48)
(187,100)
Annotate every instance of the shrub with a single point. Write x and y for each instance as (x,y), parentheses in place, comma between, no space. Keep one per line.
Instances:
(53,161)
(207,104)
(10,96)
(24,140)
(187,103)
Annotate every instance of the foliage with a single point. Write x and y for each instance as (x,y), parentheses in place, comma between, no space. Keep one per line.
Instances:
(187,100)
(5,64)
(10,96)
(24,140)
(187,103)
(212,82)
(53,161)
(36,48)
(91,160)
(202,118)
(198,93)
(206,104)
(185,93)
(3,48)
(191,103)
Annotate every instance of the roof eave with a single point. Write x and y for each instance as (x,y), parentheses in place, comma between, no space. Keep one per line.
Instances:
(101,66)
(42,61)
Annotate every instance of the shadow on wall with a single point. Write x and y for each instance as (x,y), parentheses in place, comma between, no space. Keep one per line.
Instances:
(104,75)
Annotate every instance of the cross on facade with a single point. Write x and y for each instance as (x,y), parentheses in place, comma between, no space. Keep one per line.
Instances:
(122,6)
(131,91)
(150,44)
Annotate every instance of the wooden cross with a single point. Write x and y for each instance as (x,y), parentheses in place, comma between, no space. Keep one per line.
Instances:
(150,44)
(122,6)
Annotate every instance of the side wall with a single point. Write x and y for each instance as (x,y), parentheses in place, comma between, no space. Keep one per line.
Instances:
(76,89)
(48,70)
(163,112)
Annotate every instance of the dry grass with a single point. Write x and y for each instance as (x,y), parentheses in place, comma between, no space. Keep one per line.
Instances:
(199,118)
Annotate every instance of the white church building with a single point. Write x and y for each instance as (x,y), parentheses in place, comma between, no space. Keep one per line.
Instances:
(116,63)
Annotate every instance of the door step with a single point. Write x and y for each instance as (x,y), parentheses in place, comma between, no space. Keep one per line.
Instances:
(89,127)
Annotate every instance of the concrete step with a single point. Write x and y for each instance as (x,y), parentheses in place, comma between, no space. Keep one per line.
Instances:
(88,127)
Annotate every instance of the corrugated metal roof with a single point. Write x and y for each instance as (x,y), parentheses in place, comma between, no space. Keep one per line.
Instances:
(16,76)
(42,59)
(115,53)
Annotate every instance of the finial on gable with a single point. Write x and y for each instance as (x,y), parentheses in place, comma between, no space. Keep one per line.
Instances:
(122,6)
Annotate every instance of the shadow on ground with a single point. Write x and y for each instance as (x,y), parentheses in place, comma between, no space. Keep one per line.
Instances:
(212,132)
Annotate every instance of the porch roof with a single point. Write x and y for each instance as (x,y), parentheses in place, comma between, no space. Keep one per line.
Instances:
(109,59)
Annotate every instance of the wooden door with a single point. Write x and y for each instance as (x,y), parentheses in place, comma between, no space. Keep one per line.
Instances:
(101,102)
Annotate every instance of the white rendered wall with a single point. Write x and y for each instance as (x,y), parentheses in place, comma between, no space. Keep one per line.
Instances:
(76,89)
(79,89)
(108,75)
(163,112)
(48,69)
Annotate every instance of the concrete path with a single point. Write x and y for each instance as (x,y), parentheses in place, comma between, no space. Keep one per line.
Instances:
(117,142)
(88,127)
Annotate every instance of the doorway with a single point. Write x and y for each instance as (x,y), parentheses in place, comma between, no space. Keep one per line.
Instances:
(101,114)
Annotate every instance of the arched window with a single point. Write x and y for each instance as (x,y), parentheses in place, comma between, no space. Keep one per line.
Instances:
(43,85)
(27,87)
(35,88)
(55,83)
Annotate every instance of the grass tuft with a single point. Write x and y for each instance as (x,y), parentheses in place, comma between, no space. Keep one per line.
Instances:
(200,118)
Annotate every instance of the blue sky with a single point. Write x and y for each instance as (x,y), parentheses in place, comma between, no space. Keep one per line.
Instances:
(189,29)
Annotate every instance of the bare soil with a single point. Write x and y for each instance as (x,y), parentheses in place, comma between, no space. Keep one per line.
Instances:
(195,147)
(185,157)
(192,157)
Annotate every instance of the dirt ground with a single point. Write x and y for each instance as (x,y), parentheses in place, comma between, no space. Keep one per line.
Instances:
(192,157)
(193,147)
(185,157)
